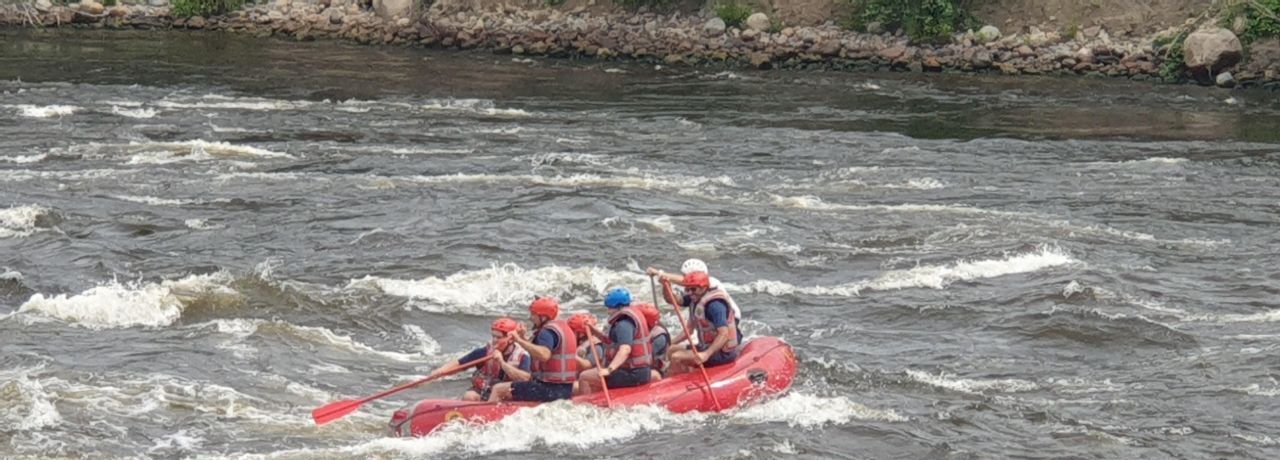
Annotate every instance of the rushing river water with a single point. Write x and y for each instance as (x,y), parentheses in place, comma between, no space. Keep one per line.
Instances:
(203,237)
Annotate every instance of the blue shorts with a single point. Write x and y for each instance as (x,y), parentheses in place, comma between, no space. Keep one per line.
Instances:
(536,390)
(721,357)
(628,377)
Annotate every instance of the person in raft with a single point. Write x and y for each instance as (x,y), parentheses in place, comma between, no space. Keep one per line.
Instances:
(712,321)
(659,339)
(690,266)
(507,362)
(553,351)
(628,359)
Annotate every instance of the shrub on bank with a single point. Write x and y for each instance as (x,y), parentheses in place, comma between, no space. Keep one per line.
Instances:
(1262,18)
(733,13)
(925,21)
(188,8)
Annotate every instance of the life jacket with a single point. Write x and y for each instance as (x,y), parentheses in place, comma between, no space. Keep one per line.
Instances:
(562,367)
(736,313)
(659,356)
(707,331)
(641,349)
(491,373)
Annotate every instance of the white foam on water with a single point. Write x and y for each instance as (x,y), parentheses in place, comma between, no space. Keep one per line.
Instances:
(479,106)
(503,289)
(193,150)
(660,224)
(200,224)
(181,441)
(217,102)
(10,274)
(24,159)
(971,386)
(1257,390)
(20,221)
(133,113)
(1269,316)
(271,176)
(785,447)
(925,276)
(556,425)
(1259,439)
(241,328)
(86,174)
(154,201)
(44,111)
(808,411)
(25,404)
(924,183)
(815,203)
(647,182)
(115,304)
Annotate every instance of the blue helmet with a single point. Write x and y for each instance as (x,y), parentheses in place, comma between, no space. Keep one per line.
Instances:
(617,297)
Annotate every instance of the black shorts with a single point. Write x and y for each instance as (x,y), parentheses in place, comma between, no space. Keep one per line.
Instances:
(628,377)
(536,390)
(721,357)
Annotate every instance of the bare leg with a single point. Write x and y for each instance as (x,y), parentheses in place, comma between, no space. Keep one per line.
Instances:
(654,375)
(589,381)
(471,395)
(500,392)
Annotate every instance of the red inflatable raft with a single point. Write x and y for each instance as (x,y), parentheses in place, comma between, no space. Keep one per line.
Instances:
(765,367)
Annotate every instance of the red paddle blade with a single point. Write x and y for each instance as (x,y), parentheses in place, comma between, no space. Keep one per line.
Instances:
(335,410)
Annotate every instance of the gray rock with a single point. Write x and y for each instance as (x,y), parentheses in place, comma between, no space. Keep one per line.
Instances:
(981,59)
(714,27)
(1225,80)
(874,27)
(158,2)
(388,9)
(758,22)
(44,5)
(91,7)
(1210,50)
(987,34)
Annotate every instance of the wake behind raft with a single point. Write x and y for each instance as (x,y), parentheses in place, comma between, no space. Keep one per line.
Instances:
(765,367)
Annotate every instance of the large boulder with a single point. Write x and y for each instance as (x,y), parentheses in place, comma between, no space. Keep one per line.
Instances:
(987,34)
(758,22)
(1210,50)
(714,27)
(390,9)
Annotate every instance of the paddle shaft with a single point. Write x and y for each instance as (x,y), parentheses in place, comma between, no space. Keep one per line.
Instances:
(591,343)
(693,348)
(339,409)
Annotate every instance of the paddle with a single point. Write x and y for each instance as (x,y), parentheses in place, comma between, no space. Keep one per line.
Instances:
(591,342)
(689,334)
(338,409)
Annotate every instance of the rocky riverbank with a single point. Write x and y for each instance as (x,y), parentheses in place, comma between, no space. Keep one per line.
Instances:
(1213,55)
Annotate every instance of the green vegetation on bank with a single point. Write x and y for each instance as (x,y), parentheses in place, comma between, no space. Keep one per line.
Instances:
(1262,18)
(925,21)
(733,13)
(188,8)
(1172,69)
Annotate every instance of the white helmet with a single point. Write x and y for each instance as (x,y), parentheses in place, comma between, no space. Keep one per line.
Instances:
(693,265)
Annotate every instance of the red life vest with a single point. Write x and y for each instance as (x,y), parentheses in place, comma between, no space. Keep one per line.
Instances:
(641,348)
(562,367)
(491,373)
(659,359)
(707,331)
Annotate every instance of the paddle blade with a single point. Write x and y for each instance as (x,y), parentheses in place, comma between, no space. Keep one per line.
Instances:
(335,410)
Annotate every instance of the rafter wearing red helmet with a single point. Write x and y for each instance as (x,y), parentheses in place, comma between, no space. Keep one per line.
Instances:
(713,322)
(553,351)
(507,362)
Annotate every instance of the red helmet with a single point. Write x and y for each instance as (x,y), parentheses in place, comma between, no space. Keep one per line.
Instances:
(504,325)
(545,306)
(697,279)
(579,323)
(649,311)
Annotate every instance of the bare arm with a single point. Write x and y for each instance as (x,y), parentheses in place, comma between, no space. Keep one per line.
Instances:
(722,337)
(537,352)
(620,357)
(515,373)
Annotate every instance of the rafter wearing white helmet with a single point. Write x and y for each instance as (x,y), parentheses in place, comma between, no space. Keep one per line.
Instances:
(697,265)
